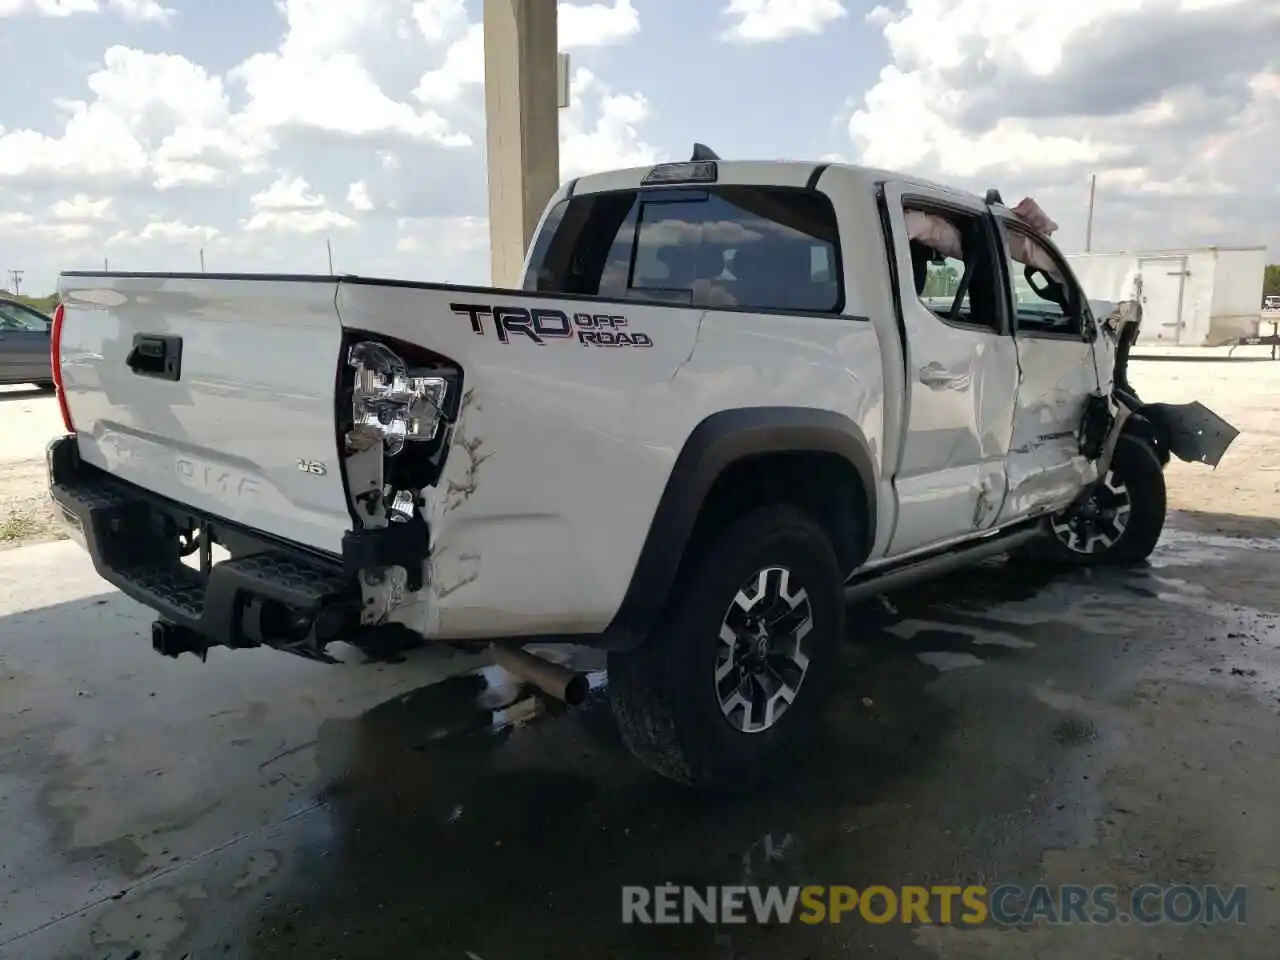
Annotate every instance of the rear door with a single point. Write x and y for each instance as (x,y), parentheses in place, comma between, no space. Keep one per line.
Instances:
(1054,334)
(215,392)
(961,375)
(24,345)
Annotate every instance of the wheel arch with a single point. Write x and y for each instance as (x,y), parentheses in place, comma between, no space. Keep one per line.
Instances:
(1147,423)
(722,443)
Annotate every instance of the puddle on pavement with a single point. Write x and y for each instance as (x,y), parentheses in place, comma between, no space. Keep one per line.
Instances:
(477,818)
(1185,548)
(473,818)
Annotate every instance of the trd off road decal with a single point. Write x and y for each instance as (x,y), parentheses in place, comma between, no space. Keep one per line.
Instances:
(540,324)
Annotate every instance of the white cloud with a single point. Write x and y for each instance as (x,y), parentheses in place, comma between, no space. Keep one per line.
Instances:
(453,249)
(26,228)
(46,8)
(358,197)
(578,26)
(64,232)
(291,206)
(463,67)
(612,140)
(439,19)
(151,158)
(1174,104)
(155,117)
(319,79)
(134,10)
(82,207)
(434,233)
(168,231)
(298,221)
(286,194)
(758,21)
(596,24)
(140,9)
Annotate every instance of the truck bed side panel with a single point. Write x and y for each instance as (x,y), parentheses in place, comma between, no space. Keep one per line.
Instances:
(559,458)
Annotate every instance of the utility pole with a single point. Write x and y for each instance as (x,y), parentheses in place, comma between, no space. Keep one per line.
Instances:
(202,259)
(329,247)
(105,266)
(16,277)
(1088,229)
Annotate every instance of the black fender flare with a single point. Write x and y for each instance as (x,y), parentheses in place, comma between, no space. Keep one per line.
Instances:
(1147,422)
(718,442)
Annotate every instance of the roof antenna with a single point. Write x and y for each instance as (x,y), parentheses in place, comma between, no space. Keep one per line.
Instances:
(702,152)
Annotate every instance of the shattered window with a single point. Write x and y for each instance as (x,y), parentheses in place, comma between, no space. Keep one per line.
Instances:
(1044,299)
(951,266)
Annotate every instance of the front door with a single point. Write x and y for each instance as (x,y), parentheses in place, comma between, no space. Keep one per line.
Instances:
(1055,339)
(961,369)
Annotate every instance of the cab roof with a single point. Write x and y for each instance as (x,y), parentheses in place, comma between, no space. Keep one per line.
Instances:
(782,173)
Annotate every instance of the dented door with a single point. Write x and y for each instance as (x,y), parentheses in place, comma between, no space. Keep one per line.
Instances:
(1058,372)
(961,371)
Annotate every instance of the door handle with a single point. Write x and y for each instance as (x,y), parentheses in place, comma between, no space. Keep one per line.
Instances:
(159,357)
(938,377)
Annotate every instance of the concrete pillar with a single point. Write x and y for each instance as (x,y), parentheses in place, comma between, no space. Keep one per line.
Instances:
(523,126)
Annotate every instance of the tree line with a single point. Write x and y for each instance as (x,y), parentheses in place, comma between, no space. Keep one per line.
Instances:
(43,304)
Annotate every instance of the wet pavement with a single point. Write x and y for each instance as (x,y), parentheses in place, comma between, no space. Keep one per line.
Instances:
(1002,725)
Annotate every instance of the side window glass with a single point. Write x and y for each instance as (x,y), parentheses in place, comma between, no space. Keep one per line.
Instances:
(753,248)
(951,267)
(538,274)
(584,246)
(1044,299)
(16,319)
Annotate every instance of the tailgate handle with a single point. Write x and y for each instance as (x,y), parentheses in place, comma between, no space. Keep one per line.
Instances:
(153,356)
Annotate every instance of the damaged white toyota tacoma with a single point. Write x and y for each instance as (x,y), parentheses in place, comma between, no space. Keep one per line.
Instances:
(729,397)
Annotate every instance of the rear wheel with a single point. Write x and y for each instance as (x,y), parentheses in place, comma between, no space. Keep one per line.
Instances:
(727,690)
(1123,517)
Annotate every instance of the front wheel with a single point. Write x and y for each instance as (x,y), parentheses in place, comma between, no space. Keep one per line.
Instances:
(728,688)
(1121,521)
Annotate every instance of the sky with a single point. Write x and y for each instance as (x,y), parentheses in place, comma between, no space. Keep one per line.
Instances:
(140,133)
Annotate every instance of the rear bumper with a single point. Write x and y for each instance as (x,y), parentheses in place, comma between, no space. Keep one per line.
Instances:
(268,593)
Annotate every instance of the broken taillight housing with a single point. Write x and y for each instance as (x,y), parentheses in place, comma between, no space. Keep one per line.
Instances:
(388,405)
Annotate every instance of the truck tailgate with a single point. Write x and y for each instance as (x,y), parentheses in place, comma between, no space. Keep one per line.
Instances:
(217,392)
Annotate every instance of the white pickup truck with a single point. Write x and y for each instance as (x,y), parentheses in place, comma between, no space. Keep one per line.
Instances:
(730,396)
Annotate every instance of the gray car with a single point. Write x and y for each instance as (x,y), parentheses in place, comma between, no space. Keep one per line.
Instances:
(24,345)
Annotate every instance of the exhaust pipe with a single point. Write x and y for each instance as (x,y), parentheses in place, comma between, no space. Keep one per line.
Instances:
(552,679)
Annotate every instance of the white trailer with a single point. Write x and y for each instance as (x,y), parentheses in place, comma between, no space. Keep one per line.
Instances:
(1193,297)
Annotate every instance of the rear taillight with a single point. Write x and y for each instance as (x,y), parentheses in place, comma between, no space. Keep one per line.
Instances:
(389,405)
(55,360)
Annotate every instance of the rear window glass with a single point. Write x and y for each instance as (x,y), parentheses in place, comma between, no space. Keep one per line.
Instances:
(745,247)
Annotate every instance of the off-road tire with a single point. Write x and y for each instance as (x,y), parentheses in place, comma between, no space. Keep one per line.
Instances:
(664,694)
(1136,467)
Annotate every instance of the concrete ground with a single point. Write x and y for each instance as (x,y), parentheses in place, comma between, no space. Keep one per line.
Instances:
(1003,725)
(28,419)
